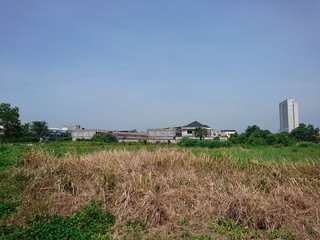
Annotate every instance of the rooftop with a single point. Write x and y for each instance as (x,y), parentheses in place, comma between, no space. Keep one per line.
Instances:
(195,124)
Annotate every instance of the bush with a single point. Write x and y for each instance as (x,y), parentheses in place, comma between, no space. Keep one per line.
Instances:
(304,144)
(218,143)
(106,138)
(7,207)
(189,142)
(64,139)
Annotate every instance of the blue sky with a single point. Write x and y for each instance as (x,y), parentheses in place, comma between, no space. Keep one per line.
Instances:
(144,64)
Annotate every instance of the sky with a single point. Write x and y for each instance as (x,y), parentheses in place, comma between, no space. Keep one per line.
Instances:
(122,64)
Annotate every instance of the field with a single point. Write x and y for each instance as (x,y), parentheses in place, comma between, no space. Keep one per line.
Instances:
(86,190)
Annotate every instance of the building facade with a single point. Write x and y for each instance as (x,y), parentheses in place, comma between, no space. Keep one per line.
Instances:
(188,130)
(174,134)
(289,116)
(162,134)
(227,132)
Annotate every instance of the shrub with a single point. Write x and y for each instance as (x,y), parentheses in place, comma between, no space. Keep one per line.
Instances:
(7,207)
(304,144)
(188,142)
(64,139)
(106,138)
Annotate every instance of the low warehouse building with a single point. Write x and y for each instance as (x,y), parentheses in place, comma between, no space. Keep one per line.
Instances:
(162,134)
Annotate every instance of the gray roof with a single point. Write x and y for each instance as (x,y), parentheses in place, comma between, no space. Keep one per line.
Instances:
(196,124)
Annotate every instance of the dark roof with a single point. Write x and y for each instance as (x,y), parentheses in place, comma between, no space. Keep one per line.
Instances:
(196,124)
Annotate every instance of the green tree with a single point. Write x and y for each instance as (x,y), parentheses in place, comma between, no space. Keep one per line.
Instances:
(305,133)
(251,130)
(9,122)
(39,128)
(26,134)
(238,138)
(253,135)
(200,133)
(283,138)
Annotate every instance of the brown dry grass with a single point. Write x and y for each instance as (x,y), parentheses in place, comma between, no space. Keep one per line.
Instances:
(167,185)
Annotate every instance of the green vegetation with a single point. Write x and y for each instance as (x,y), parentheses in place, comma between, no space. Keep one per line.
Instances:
(189,142)
(200,133)
(39,129)
(305,133)
(105,138)
(10,154)
(229,229)
(10,123)
(244,154)
(253,135)
(90,223)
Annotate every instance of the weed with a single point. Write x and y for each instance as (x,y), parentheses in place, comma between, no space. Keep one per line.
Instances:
(91,223)
(185,233)
(7,208)
(232,230)
(136,228)
(183,221)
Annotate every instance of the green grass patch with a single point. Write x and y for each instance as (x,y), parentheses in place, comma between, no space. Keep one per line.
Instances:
(10,153)
(90,223)
(229,229)
(246,154)
(60,149)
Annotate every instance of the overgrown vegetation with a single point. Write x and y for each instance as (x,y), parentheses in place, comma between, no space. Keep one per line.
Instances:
(105,138)
(90,223)
(189,142)
(160,193)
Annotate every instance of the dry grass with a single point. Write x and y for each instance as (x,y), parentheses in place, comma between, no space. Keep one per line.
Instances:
(167,185)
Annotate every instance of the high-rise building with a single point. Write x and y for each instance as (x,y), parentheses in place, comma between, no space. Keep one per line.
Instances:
(289,117)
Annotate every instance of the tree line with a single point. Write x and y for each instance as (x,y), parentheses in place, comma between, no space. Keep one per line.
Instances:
(253,135)
(11,129)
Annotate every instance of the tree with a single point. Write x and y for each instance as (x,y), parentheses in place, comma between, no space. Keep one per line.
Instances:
(250,130)
(26,134)
(283,138)
(200,133)
(40,129)
(10,123)
(305,133)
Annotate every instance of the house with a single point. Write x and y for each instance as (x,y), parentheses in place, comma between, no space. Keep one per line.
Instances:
(175,133)
(227,133)
(188,130)
(70,127)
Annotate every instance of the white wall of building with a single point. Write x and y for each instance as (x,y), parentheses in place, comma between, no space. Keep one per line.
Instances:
(82,134)
(289,115)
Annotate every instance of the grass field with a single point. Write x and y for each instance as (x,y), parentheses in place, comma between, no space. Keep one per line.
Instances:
(87,190)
